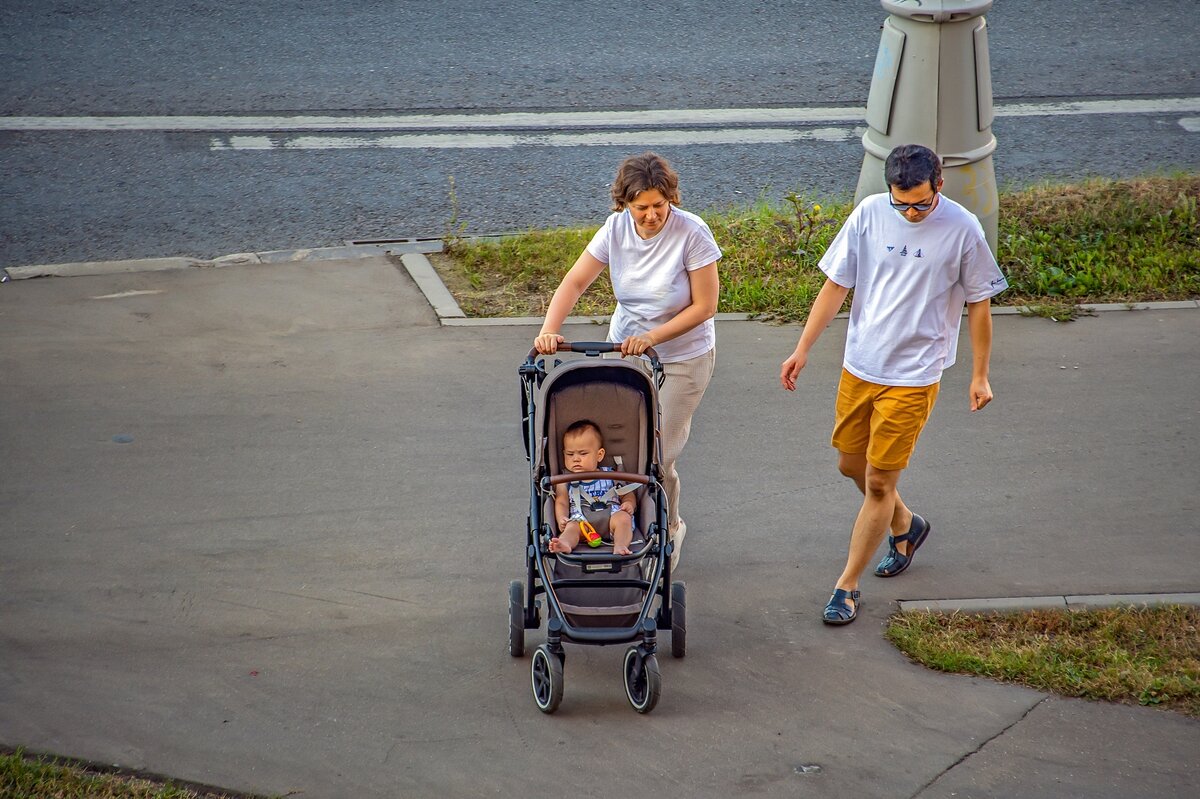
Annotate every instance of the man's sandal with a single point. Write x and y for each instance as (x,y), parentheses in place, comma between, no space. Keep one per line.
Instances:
(893,562)
(837,611)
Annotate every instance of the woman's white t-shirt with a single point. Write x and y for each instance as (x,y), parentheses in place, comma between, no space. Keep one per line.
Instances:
(910,282)
(649,278)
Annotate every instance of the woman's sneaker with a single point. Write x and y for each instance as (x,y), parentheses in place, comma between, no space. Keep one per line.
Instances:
(677,540)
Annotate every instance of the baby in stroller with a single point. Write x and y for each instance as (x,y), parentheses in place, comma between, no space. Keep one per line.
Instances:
(583,450)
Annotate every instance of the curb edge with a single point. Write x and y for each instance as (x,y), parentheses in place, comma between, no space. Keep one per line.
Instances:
(413,254)
(1054,602)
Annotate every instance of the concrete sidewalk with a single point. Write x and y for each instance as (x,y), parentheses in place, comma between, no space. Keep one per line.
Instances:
(257,524)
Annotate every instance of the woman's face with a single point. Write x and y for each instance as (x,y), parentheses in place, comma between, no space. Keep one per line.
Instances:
(650,210)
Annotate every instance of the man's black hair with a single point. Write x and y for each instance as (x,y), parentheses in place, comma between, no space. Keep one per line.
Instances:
(911,165)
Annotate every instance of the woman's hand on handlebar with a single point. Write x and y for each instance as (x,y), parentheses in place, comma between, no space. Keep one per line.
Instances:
(547,343)
(636,344)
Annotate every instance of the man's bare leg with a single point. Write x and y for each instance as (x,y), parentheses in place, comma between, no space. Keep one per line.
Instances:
(854,465)
(877,512)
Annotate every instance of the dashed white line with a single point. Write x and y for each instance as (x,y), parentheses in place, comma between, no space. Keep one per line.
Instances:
(506,141)
(506,121)
(1169,105)
(122,294)
(1190,124)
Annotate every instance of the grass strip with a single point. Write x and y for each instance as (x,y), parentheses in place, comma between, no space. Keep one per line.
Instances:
(1147,656)
(24,776)
(1102,240)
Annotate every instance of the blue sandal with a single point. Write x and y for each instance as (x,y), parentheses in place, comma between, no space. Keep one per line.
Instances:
(893,562)
(837,611)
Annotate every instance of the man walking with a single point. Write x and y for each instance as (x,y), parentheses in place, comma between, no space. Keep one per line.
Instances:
(913,258)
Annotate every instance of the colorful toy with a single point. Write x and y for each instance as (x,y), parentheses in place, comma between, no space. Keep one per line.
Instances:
(589,533)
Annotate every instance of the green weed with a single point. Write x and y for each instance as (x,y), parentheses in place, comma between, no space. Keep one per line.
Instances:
(455,226)
(1060,245)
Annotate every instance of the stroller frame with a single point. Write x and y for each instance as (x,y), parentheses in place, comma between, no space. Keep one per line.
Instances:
(642,680)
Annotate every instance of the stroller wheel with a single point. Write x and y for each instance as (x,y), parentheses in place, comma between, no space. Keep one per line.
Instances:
(516,619)
(678,620)
(643,682)
(547,672)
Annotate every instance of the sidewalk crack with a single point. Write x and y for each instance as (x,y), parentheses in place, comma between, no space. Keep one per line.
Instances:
(979,748)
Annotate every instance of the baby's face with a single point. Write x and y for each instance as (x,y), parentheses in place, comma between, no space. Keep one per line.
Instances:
(582,452)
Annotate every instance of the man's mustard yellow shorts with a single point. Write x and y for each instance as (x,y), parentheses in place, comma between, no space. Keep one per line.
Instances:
(882,421)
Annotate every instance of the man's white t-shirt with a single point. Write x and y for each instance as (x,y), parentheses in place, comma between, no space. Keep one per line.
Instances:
(649,278)
(910,281)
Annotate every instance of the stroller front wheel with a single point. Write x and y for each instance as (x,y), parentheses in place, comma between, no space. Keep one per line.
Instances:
(678,619)
(643,682)
(547,677)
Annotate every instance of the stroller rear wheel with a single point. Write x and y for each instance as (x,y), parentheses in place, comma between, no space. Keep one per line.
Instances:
(516,619)
(547,674)
(643,682)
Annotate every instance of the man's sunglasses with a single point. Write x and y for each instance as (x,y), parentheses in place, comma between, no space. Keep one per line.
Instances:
(903,207)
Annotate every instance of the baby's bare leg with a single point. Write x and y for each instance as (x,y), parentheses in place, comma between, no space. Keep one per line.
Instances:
(621,525)
(566,540)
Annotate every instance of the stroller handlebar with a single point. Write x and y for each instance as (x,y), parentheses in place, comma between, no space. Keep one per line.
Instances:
(594,348)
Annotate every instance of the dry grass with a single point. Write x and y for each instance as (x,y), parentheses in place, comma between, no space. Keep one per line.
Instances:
(516,276)
(1148,656)
(25,776)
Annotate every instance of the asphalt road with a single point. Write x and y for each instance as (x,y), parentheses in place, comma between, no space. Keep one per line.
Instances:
(89,195)
(257,524)
(184,57)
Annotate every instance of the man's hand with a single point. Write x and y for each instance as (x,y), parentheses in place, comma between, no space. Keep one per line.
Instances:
(981,393)
(791,369)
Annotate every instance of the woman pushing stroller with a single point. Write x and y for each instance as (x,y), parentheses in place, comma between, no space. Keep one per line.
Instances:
(662,261)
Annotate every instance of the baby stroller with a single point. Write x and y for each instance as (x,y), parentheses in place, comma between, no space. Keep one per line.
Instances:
(595,597)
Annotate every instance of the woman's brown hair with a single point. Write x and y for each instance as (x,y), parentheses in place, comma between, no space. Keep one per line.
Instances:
(640,173)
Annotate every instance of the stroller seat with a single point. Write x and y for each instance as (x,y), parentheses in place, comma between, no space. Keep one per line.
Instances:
(621,414)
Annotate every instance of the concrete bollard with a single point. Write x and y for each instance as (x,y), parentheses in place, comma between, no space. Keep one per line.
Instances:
(933,86)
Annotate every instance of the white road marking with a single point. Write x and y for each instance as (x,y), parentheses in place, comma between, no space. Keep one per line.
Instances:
(560,120)
(1170,105)
(506,121)
(121,294)
(1190,124)
(505,141)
